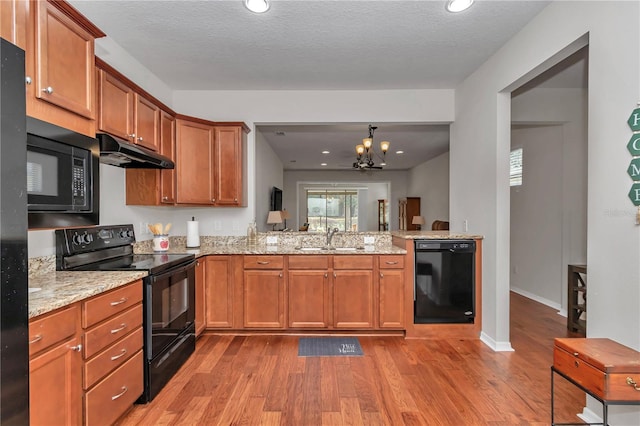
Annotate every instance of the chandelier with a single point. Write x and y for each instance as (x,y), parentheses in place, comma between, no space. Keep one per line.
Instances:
(366,153)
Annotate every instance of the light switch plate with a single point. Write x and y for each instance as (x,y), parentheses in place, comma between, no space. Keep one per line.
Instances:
(369,240)
(272,239)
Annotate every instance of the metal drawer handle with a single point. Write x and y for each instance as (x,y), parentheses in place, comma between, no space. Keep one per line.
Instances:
(122,327)
(119,302)
(36,339)
(389,262)
(76,348)
(263,262)
(633,383)
(124,390)
(122,353)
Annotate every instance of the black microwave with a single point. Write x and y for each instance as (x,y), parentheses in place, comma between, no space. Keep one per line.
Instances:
(62,176)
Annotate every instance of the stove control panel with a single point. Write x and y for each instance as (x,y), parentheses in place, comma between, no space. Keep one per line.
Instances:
(70,241)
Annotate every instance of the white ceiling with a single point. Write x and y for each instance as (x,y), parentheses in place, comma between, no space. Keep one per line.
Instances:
(305,44)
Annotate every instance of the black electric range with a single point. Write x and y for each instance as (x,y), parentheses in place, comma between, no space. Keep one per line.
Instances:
(168,295)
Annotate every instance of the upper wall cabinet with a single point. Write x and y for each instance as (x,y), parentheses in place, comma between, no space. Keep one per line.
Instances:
(211,163)
(125,113)
(14,15)
(60,66)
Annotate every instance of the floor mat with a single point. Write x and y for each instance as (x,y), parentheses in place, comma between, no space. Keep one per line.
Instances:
(329,346)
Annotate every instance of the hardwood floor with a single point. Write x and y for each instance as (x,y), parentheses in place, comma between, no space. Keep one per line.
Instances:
(260,380)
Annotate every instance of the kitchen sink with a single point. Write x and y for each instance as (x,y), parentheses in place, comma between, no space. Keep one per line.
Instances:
(312,248)
(329,248)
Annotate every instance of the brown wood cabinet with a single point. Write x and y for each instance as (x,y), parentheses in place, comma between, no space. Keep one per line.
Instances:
(55,368)
(14,15)
(353,299)
(264,292)
(407,209)
(60,66)
(391,292)
(113,369)
(309,292)
(125,113)
(201,303)
(153,187)
(210,163)
(219,291)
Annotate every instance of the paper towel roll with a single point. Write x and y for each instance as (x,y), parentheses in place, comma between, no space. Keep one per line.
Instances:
(193,235)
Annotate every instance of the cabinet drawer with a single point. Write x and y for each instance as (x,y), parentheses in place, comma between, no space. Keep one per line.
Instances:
(352,262)
(392,262)
(102,307)
(580,371)
(309,262)
(52,328)
(103,335)
(112,397)
(111,358)
(263,262)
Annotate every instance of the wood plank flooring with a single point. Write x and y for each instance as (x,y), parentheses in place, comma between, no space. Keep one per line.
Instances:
(260,380)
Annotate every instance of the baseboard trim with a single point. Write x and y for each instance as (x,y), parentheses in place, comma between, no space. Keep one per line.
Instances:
(537,298)
(496,346)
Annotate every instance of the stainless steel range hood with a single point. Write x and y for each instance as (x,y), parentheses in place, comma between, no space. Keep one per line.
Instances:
(120,153)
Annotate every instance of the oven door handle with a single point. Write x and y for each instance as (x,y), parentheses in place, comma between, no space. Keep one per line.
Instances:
(172,272)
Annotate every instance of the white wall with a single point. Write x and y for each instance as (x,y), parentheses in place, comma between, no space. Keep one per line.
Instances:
(430,182)
(480,143)
(395,181)
(269,173)
(547,236)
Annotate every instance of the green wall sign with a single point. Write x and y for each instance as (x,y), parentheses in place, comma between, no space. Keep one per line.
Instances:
(634,169)
(634,144)
(634,120)
(634,194)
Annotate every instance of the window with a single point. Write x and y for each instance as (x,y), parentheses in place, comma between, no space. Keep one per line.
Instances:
(515,167)
(332,209)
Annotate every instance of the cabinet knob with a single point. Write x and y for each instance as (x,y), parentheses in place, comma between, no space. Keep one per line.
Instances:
(132,135)
(335,275)
(140,139)
(381,275)
(235,200)
(27,80)
(76,348)
(280,275)
(326,275)
(48,90)
(165,198)
(213,200)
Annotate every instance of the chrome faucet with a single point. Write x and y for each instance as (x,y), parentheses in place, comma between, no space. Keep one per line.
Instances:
(330,234)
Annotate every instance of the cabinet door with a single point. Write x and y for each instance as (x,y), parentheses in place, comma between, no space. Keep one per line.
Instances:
(228,170)
(147,119)
(353,299)
(168,149)
(201,304)
(64,61)
(55,386)
(116,107)
(309,299)
(219,292)
(13,21)
(391,298)
(194,157)
(264,299)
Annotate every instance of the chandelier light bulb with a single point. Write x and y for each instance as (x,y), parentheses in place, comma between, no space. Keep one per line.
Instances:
(384,146)
(367,142)
(359,149)
(257,6)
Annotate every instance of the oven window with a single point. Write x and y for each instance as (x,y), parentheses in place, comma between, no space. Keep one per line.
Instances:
(175,302)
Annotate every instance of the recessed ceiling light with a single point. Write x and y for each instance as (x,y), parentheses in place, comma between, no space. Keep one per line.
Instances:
(325,152)
(323,164)
(257,6)
(399,152)
(458,5)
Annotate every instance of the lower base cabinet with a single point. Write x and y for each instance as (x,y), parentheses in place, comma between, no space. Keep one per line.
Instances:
(218,291)
(353,299)
(55,385)
(309,299)
(264,299)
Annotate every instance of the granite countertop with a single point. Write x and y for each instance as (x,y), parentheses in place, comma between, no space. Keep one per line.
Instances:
(434,235)
(62,288)
(206,250)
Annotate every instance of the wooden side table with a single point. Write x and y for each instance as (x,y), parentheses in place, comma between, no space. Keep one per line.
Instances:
(602,368)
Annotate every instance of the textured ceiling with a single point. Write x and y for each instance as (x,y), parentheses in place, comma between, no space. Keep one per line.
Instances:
(304,44)
(199,45)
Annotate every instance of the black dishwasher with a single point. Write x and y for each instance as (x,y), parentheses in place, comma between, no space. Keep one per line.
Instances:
(444,285)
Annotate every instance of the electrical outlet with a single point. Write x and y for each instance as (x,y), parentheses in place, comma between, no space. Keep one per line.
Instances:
(144,228)
(271,239)
(369,240)
(465,225)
